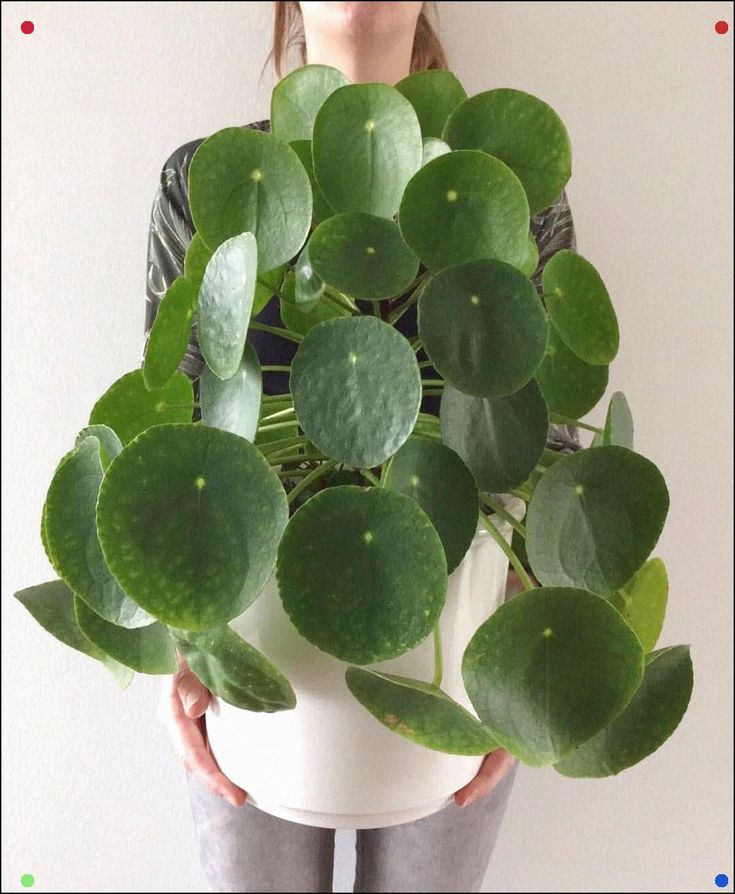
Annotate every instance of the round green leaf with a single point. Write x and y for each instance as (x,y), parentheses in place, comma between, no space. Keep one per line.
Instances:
(464,206)
(110,444)
(594,518)
(71,535)
(235,671)
(569,385)
(189,518)
(233,405)
(618,424)
(522,131)
(444,488)
(195,263)
(434,94)
(642,602)
(549,669)
(483,326)
(322,208)
(366,146)
(169,335)
(383,601)
(298,97)
(266,192)
(653,714)
(356,389)
(419,712)
(52,605)
(580,307)
(500,439)
(433,148)
(149,650)
(129,408)
(529,261)
(363,256)
(226,302)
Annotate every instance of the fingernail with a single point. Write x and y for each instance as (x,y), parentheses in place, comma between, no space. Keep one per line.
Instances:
(189,700)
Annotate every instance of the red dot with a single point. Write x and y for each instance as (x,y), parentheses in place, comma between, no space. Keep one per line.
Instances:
(27,27)
(721,27)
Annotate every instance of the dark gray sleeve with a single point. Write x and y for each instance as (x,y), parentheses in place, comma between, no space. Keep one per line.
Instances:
(553,230)
(170,232)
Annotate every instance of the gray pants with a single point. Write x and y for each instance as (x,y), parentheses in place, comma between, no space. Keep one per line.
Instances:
(244,849)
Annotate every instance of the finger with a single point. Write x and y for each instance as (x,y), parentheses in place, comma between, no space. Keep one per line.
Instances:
(200,762)
(193,694)
(493,769)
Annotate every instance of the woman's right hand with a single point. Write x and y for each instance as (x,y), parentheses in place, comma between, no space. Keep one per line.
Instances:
(184,703)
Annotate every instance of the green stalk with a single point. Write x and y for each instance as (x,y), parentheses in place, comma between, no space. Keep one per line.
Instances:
(289,411)
(433,383)
(275,368)
(338,301)
(396,315)
(565,420)
(438,664)
(280,445)
(278,459)
(312,476)
(366,473)
(504,514)
(512,557)
(275,330)
(289,423)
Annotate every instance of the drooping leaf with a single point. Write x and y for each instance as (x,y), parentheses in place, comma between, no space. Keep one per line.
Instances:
(500,439)
(71,535)
(464,206)
(443,486)
(268,193)
(340,368)
(235,671)
(650,718)
(642,602)
(594,518)
(420,712)
(483,326)
(522,131)
(129,408)
(226,302)
(148,650)
(189,518)
(234,404)
(549,669)
(110,444)
(169,335)
(389,595)
(366,145)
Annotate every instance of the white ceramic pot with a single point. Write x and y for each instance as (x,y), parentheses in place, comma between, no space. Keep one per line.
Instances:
(329,762)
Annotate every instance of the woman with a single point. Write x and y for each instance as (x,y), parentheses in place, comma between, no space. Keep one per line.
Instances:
(242,848)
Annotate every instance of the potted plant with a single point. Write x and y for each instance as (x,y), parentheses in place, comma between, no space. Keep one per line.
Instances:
(305,551)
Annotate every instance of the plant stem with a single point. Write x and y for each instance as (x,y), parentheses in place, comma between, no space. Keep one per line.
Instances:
(272,289)
(512,557)
(292,473)
(565,420)
(289,423)
(273,447)
(438,668)
(272,398)
(429,418)
(504,514)
(373,479)
(416,344)
(338,301)
(396,315)
(277,459)
(433,383)
(312,476)
(424,363)
(275,330)
(289,411)
(275,369)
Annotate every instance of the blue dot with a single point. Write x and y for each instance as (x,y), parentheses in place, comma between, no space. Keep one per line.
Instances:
(722,880)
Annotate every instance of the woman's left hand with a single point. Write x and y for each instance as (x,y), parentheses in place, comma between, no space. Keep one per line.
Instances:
(493,769)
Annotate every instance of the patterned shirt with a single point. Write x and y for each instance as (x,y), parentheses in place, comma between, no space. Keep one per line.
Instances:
(171,231)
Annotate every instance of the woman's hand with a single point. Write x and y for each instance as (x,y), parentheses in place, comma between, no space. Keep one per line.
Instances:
(493,769)
(184,702)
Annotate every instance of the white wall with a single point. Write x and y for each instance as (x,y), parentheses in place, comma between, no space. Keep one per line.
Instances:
(94,100)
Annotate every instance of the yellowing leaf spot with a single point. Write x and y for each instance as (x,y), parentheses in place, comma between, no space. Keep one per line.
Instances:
(451,195)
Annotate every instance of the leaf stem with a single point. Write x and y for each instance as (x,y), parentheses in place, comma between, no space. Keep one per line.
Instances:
(289,423)
(438,664)
(565,420)
(373,479)
(275,330)
(504,514)
(433,383)
(512,557)
(289,411)
(312,476)
(275,368)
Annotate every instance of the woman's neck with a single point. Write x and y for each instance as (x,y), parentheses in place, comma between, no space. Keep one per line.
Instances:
(365,58)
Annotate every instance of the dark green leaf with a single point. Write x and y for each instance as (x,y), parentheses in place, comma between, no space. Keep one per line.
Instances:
(169,335)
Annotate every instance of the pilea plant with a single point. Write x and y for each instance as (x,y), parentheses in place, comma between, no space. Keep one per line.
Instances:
(362,202)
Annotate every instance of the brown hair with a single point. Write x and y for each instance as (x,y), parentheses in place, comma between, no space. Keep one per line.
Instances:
(288,32)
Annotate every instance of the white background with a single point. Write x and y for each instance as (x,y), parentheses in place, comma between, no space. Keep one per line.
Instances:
(94,101)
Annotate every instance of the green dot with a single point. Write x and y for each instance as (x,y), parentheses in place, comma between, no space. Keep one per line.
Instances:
(27,880)
(474,299)
(369,125)
(415,480)
(352,357)
(199,482)
(551,350)
(579,489)
(370,250)
(256,175)
(368,536)
(547,633)
(451,195)
(160,406)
